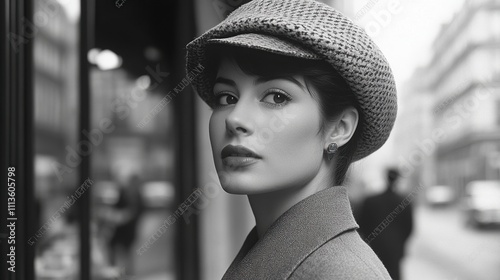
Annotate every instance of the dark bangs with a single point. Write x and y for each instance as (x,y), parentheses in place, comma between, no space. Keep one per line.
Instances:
(322,81)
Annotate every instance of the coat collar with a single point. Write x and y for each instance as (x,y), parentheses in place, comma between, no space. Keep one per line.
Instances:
(293,236)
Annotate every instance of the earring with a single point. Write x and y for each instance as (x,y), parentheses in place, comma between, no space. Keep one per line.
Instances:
(330,151)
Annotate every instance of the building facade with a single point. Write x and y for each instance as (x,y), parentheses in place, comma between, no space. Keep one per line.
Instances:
(462,140)
(414,148)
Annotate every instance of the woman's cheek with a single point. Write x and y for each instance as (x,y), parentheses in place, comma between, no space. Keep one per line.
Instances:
(216,134)
(296,151)
(301,132)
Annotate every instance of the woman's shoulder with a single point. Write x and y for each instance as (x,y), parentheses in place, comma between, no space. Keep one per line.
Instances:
(346,256)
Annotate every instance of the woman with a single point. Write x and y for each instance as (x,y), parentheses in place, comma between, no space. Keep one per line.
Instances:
(298,93)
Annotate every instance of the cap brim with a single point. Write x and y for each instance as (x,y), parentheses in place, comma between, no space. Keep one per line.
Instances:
(267,43)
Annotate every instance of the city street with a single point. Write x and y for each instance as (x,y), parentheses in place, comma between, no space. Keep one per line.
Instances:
(443,248)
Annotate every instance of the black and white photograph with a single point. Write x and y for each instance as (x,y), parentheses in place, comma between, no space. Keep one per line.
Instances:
(250,139)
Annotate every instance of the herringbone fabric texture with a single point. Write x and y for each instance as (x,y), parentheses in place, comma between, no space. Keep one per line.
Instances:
(325,32)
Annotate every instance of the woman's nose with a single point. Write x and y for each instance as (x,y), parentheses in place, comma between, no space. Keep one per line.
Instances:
(239,120)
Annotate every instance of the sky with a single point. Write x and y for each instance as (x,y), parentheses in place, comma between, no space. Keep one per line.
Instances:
(405,37)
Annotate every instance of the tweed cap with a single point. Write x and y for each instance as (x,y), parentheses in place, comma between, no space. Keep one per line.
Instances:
(312,30)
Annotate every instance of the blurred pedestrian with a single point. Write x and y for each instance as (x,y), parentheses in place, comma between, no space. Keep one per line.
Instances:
(298,93)
(386,226)
(125,216)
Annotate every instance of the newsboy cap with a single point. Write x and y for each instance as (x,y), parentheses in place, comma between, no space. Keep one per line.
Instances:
(311,30)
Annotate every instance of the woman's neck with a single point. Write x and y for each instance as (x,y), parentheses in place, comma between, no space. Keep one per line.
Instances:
(268,207)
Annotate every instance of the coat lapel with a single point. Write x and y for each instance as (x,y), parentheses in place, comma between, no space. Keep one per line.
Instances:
(296,234)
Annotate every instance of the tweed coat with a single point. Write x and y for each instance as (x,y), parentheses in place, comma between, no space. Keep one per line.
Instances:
(315,239)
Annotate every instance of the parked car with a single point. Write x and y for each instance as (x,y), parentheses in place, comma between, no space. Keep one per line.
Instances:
(439,195)
(482,203)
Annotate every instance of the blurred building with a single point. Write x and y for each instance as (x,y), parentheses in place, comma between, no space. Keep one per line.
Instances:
(413,125)
(452,121)
(132,135)
(120,100)
(56,108)
(116,142)
(54,74)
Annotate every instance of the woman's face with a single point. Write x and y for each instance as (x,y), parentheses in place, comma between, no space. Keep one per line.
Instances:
(264,133)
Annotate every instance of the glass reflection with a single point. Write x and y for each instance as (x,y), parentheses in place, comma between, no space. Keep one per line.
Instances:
(132,162)
(55,55)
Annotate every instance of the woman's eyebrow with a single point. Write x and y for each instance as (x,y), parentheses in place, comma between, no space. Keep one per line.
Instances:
(225,81)
(259,80)
(291,79)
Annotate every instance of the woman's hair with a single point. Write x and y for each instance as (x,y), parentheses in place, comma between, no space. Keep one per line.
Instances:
(323,82)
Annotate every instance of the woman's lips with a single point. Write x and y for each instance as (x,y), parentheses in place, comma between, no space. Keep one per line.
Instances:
(238,156)
(233,161)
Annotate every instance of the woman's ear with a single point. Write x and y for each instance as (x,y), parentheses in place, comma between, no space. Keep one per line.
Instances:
(341,131)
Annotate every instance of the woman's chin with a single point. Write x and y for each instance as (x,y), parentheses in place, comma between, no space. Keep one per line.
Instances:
(248,188)
(245,187)
(238,181)
(236,188)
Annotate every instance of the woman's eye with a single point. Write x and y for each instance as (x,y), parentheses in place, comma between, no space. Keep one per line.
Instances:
(276,97)
(226,99)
